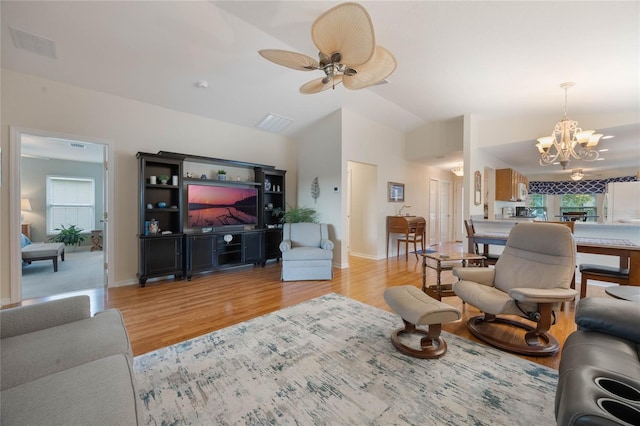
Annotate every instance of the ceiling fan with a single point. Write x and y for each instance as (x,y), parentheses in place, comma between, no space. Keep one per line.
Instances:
(347,51)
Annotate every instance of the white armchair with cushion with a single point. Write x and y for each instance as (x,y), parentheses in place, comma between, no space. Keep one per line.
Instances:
(531,279)
(307,252)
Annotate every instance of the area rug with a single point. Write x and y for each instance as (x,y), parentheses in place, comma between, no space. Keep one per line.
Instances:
(329,361)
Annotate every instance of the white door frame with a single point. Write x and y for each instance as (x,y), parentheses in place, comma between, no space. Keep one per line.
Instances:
(445,211)
(15,138)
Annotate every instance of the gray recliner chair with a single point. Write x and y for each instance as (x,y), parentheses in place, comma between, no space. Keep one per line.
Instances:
(307,252)
(531,279)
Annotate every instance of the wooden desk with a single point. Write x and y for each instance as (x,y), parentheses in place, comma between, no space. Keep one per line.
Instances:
(434,261)
(403,225)
(627,251)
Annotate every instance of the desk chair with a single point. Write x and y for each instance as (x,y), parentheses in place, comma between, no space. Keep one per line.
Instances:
(491,259)
(415,238)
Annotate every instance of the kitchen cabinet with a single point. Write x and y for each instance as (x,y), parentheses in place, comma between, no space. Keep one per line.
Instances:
(511,185)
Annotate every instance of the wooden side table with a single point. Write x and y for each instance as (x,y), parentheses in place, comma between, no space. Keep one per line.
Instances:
(96,240)
(434,261)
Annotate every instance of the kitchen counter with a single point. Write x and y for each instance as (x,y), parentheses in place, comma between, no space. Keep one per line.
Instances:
(619,230)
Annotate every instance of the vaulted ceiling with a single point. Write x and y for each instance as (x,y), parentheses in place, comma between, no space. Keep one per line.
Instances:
(493,59)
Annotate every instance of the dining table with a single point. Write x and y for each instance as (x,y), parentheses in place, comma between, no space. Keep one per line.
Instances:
(627,251)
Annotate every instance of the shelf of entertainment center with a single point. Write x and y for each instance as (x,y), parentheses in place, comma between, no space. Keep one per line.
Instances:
(222,182)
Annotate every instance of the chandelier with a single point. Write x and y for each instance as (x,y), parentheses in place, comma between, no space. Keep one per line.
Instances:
(458,170)
(577,175)
(568,140)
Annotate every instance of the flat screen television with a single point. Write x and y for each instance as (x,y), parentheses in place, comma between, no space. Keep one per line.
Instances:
(219,206)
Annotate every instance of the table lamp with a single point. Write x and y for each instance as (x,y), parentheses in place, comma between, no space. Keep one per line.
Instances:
(25,206)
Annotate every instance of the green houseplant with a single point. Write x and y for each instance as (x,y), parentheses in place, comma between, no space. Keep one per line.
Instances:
(222,174)
(71,236)
(296,215)
(163,179)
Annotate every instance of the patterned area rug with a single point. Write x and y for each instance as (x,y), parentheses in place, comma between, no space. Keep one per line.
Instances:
(329,361)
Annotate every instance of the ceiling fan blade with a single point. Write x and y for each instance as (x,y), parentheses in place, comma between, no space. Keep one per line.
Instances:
(379,67)
(345,29)
(318,85)
(294,60)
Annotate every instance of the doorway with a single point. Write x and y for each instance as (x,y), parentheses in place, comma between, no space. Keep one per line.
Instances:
(445,212)
(47,165)
(362,212)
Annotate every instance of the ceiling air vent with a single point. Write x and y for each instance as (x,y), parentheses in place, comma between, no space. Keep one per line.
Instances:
(77,145)
(33,43)
(274,123)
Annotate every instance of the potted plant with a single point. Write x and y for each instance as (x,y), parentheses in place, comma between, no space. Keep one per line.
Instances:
(296,215)
(163,179)
(71,236)
(222,174)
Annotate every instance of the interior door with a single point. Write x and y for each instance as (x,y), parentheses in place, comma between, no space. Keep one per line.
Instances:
(445,212)
(433,212)
(105,214)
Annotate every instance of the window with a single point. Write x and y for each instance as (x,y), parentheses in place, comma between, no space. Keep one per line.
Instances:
(579,203)
(70,201)
(538,206)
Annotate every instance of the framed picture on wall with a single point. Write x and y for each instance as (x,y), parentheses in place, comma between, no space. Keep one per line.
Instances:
(395,192)
(477,188)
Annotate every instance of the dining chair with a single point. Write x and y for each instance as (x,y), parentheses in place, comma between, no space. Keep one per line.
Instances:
(490,259)
(608,274)
(414,238)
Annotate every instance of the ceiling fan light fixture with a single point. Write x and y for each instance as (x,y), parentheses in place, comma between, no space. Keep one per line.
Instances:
(347,51)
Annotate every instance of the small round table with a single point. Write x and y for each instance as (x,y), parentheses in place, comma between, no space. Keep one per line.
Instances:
(625,292)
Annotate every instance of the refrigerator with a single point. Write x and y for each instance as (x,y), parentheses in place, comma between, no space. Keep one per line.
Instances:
(622,202)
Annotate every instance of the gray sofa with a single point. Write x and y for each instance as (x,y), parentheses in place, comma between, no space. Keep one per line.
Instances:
(60,366)
(599,376)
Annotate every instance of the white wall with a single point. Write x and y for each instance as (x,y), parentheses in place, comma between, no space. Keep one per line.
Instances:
(131,126)
(319,156)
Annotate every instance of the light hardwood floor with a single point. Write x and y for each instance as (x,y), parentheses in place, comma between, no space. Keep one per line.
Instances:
(167,312)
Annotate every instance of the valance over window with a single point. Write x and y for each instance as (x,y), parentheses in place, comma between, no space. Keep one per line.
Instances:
(595,186)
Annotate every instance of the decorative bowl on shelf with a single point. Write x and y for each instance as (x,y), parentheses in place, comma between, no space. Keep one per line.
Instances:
(162,205)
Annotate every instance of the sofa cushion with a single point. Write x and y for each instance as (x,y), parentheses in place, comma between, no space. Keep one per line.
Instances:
(101,392)
(30,356)
(307,253)
(30,318)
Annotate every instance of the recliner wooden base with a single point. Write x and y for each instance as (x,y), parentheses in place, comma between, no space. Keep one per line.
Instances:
(431,346)
(537,342)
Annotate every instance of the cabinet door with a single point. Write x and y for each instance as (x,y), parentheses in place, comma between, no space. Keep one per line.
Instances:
(273,238)
(253,247)
(160,256)
(201,253)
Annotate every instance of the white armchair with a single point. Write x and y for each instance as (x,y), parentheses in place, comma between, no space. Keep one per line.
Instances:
(307,252)
(530,280)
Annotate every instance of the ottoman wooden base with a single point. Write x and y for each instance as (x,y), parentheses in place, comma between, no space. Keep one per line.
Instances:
(416,308)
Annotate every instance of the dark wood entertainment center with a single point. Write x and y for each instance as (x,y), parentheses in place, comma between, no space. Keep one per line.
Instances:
(169,245)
